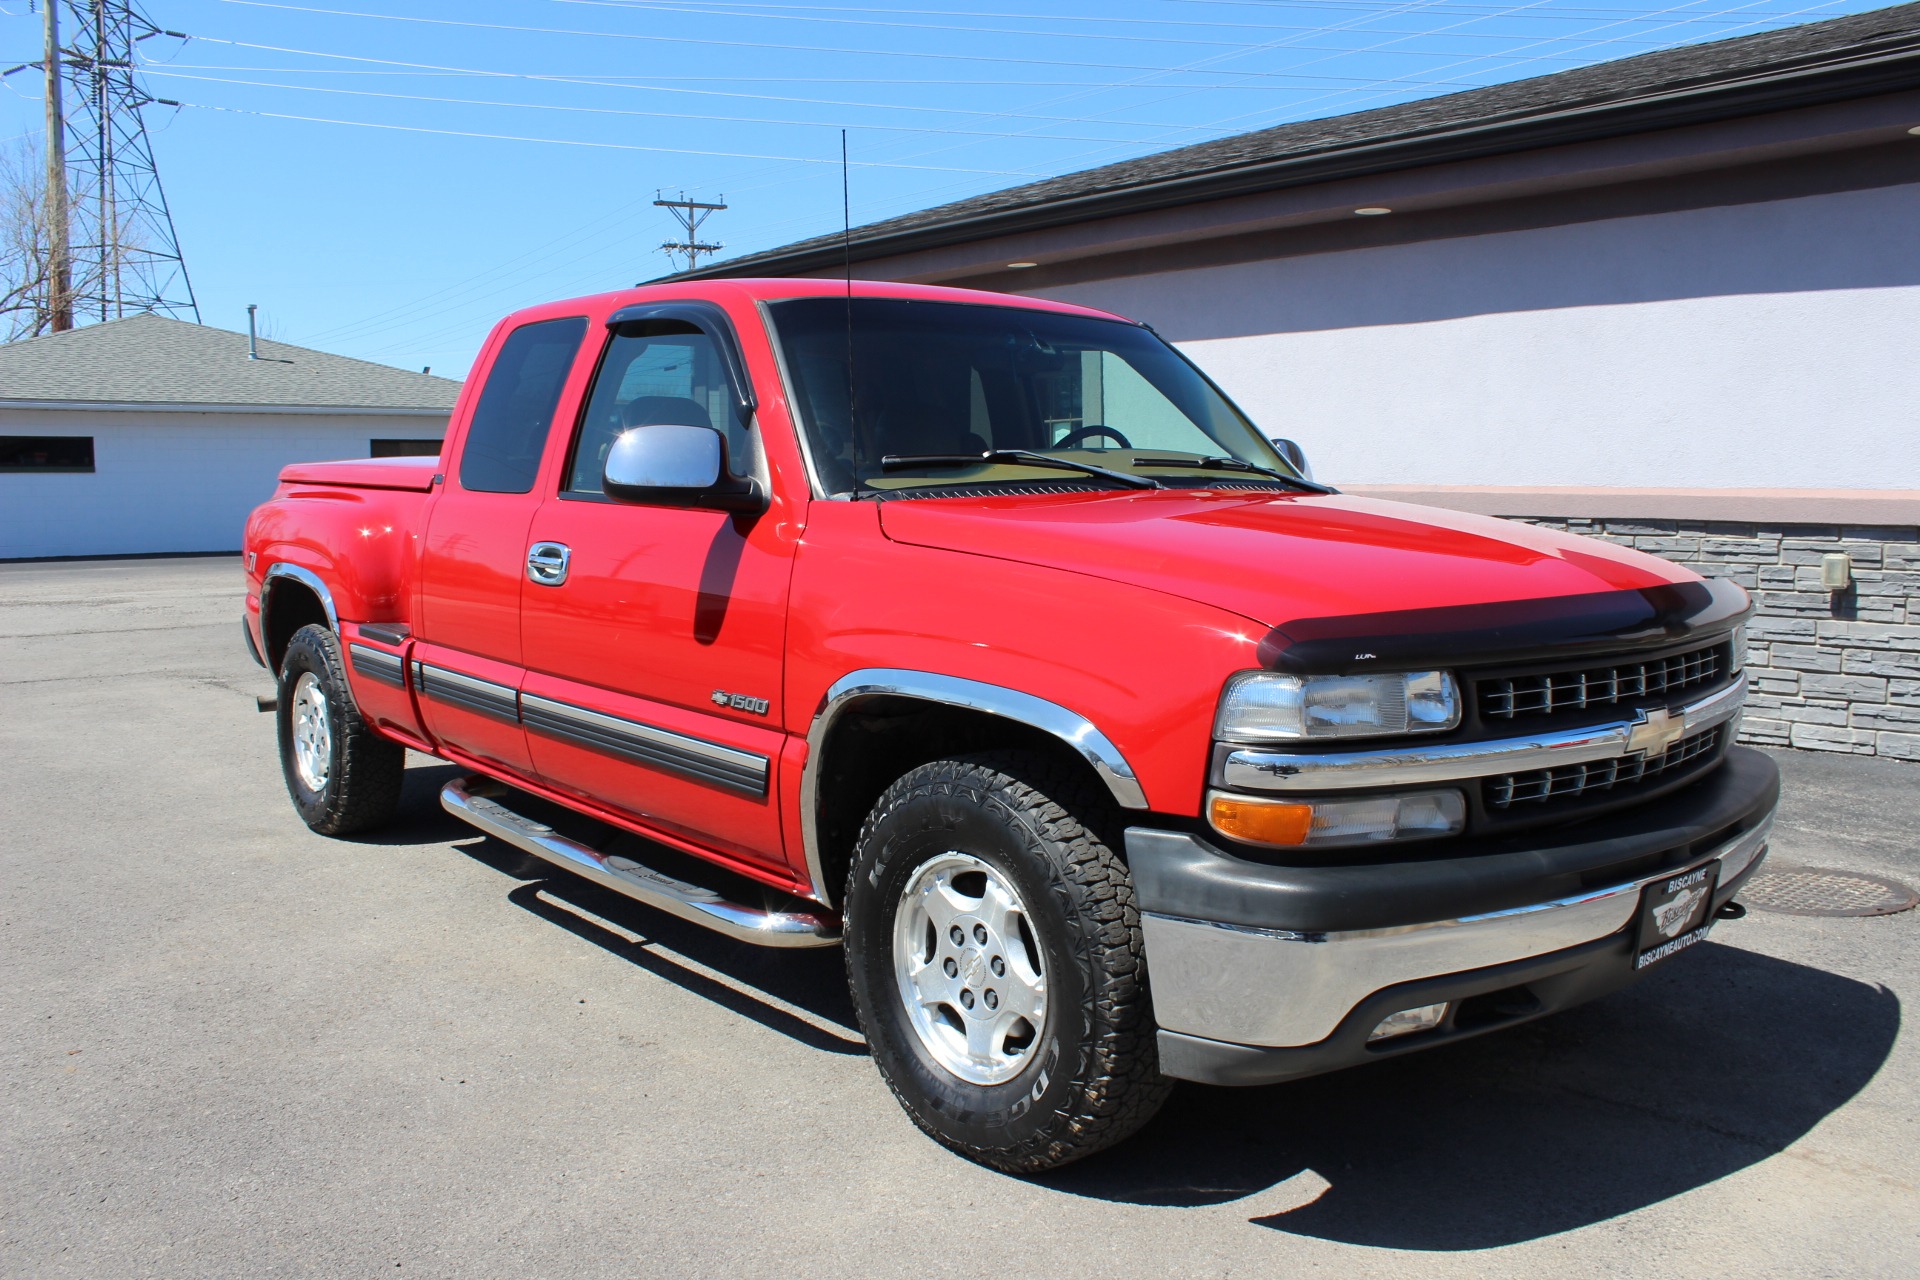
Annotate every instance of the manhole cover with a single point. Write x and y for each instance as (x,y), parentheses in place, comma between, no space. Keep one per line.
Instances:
(1822,891)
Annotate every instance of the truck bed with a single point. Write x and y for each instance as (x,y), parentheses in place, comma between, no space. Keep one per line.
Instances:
(412,474)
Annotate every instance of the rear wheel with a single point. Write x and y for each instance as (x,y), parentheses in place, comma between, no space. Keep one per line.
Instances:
(342,776)
(994,956)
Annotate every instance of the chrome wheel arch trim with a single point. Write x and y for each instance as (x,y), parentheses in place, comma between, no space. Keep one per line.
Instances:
(306,578)
(1070,727)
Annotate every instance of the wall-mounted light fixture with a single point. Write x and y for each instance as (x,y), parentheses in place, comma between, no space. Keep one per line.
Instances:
(1836,571)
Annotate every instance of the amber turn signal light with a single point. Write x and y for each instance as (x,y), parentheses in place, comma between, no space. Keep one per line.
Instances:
(1261,821)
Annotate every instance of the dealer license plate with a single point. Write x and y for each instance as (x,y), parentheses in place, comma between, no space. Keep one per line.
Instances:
(1674,913)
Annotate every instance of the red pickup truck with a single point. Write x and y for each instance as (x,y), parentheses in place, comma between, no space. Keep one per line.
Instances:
(985,636)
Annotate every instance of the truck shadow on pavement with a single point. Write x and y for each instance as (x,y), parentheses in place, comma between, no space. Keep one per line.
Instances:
(1694,1074)
(1712,1064)
(799,993)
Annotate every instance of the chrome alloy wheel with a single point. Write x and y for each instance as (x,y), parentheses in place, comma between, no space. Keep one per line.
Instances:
(312,732)
(969,968)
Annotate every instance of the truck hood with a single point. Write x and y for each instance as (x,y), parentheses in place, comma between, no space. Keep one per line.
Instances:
(1280,558)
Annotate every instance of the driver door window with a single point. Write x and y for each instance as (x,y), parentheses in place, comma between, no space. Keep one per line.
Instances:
(659,371)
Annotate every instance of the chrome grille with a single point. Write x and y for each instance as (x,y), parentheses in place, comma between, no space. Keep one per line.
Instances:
(1513,697)
(1568,781)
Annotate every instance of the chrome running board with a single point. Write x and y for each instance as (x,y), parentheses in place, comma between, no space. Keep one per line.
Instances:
(625,876)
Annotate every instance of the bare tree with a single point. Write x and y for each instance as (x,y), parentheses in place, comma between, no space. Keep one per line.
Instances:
(25,310)
(26,247)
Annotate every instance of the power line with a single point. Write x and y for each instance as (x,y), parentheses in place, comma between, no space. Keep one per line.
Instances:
(723,6)
(438,68)
(609,111)
(745,44)
(770,11)
(1576,13)
(720,7)
(614,81)
(578,142)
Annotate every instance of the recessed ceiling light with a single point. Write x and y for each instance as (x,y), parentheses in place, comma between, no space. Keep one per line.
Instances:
(1915,131)
(1022,265)
(1373,211)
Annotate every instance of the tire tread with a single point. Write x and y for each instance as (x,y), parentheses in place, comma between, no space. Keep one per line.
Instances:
(363,791)
(1120,1087)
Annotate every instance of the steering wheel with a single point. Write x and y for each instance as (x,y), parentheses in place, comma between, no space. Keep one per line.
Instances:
(1092,429)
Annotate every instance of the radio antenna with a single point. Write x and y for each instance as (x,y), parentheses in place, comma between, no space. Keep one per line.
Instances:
(846,267)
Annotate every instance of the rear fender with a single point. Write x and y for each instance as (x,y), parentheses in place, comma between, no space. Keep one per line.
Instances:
(354,549)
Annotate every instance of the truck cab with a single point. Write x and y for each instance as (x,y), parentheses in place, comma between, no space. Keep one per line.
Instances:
(985,638)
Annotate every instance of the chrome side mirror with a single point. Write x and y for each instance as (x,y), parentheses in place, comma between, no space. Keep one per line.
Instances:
(1296,456)
(674,465)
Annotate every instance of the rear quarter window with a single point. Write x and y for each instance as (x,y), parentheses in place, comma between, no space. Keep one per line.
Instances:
(510,424)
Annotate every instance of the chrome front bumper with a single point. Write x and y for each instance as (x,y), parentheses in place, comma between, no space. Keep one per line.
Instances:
(1279,987)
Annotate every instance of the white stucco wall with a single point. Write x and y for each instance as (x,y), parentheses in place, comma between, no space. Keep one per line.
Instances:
(169,482)
(1772,345)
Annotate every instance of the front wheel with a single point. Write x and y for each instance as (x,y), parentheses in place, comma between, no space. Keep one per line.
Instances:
(342,776)
(994,956)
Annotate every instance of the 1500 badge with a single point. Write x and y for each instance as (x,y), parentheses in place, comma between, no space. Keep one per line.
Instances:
(739,702)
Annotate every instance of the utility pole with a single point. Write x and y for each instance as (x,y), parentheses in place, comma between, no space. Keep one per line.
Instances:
(690,214)
(101,178)
(132,251)
(59,253)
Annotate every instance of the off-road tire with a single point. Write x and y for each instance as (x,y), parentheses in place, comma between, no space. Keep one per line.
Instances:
(1092,1076)
(365,770)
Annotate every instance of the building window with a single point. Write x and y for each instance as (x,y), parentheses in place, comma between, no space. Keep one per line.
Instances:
(46,453)
(403,448)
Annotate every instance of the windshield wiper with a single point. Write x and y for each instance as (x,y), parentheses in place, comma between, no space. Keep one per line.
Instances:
(1026,457)
(1206,463)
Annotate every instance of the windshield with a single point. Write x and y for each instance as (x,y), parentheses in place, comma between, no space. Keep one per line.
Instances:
(938,379)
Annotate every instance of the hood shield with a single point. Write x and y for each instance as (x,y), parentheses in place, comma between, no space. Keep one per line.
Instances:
(1505,632)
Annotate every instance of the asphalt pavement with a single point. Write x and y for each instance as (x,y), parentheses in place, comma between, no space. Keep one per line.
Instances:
(235,1048)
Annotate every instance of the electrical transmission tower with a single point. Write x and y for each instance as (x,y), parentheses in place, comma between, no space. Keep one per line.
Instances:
(114,251)
(690,214)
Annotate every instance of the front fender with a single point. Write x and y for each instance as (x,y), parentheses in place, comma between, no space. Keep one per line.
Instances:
(1126,676)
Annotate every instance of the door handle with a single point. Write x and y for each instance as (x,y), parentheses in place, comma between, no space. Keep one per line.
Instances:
(547,563)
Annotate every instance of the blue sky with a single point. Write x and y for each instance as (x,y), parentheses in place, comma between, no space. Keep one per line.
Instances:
(385,178)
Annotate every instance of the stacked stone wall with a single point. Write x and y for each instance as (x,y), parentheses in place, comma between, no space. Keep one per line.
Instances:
(1830,671)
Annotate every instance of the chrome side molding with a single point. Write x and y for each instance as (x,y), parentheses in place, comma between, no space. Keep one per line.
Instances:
(696,758)
(691,902)
(482,697)
(376,665)
(1257,769)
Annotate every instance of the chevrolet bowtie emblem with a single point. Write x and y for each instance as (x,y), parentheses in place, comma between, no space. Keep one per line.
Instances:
(1654,732)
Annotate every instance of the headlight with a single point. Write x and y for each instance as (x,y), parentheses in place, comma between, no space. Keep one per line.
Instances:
(1352,820)
(1260,706)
